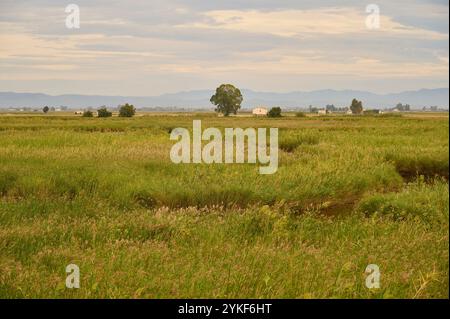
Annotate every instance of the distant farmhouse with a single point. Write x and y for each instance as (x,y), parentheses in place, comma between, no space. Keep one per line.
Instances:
(260,111)
(323,112)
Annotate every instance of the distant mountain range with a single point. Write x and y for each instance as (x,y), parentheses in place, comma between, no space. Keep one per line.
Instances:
(200,99)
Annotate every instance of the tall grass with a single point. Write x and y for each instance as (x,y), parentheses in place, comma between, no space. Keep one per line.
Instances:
(102,193)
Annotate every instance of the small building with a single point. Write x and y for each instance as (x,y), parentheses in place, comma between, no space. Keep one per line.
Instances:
(323,112)
(349,112)
(260,111)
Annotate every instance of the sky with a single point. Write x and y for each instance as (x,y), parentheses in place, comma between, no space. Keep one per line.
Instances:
(152,47)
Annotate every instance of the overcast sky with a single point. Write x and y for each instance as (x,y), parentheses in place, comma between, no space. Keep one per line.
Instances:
(151,47)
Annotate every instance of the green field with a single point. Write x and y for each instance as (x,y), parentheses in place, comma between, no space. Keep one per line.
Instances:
(103,194)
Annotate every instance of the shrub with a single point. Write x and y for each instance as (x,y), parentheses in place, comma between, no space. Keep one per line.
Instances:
(127,110)
(274,112)
(103,112)
(300,114)
(88,114)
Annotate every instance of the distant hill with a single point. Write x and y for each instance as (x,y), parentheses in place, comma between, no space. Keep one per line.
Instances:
(200,99)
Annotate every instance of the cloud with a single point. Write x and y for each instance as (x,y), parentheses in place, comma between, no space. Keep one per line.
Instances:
(304,65)
(303,23)
(170,45)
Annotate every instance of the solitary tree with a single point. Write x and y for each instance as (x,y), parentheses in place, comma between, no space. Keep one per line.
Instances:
(103,112)
(227,99)
(45,109)
(274,112)
(356,107)
(88,114)
(127,110)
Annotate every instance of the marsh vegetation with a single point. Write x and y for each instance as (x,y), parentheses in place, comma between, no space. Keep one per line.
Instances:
(103,194)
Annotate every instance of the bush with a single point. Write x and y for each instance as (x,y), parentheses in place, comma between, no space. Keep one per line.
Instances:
(274,112)
(88,114)
(300,114)
(127,110)
(103,112)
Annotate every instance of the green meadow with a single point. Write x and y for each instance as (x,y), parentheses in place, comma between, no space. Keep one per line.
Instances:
(103,194)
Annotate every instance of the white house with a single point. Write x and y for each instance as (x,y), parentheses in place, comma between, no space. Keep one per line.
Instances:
(322,112)
(260,111)
(349,112)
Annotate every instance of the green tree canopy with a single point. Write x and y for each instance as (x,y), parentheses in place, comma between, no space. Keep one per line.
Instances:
(127,110)
(103,112)
(88,114)
(45,109)
(227,99)
(274,112)
(356,107)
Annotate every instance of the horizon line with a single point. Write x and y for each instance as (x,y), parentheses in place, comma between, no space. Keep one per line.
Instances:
(245,89)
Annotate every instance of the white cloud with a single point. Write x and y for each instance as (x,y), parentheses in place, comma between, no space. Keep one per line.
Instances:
(298,23)
(161,46)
